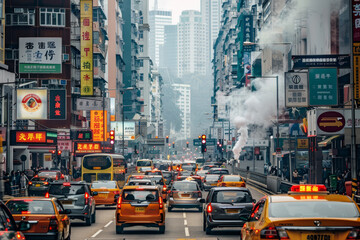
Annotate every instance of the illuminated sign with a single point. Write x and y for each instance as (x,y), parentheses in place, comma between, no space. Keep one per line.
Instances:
(86,44)
(87,147)
(32,137)
(57,107)
(31,104)
(98,125)
(81,135)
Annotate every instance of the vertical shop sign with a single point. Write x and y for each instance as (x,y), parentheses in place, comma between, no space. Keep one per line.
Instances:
(57,107)
(86,44)
(98,123)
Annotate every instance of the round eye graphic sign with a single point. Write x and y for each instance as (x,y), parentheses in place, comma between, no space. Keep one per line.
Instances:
(31,104)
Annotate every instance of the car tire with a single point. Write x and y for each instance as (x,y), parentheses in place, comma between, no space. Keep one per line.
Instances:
(169,209)
(162,229)
(93,217)
(119,229)
(200,209)
(69,237)
(88,221)
(61,237)
(204,223)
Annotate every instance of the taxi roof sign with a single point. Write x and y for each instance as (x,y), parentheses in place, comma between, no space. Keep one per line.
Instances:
(308,188)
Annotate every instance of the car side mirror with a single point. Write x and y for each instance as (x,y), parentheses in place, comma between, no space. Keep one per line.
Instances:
(24,226)
(202,200)
(95,193)
(66,211)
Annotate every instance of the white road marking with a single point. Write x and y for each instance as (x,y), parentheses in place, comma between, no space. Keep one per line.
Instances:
(97,233)
(185,222)
(108,224)
(187,234)
(184,215)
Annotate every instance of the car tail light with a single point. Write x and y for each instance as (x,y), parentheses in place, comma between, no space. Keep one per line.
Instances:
(62,176)
(272,233)
(46,183)
(116,192)
(136,168)
(223,184)
(161,205)
(47,195)
(164,188)
(209,208)
(53,225)
(30,182)
(87,196)
(204,180)
(119,203)
(354,234)
(20,236)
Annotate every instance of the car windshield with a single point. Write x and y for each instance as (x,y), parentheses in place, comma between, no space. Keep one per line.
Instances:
(137,183)
(231,197)
(232,179)
(207,167)
(140,195)
(201,173)
(186,174)
(110,184)
(30,207)
(143,163)
(212,177)
(313,209)
(47,174)
(153,173)
(185,186)
(167,174)
(39,179)
(59,189)
(220,172)
(158,180)
(189,166)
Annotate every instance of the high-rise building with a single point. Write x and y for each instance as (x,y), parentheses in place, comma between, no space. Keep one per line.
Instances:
(158,19)
(169,57)
(184,104)
(192,52)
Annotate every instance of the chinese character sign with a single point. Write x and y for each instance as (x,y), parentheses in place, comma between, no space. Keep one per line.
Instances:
(248,31)
(30,137)
(87,147)
(323,87)
(40,55)
(296,89)
(57,108)
(98,123)
(86,45)
(356,20)
(31,104)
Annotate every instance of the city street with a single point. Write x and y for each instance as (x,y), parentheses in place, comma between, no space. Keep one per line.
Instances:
(179,224)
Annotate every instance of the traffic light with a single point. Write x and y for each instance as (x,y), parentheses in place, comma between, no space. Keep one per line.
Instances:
(59,152)
(167,139)
(112,137)
(173,144)
(187,144)
(53,151)
(203,143)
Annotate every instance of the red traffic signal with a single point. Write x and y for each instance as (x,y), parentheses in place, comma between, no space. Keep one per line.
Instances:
(203,139)
(53,151)
(59,152)
(167,139)
(112,136)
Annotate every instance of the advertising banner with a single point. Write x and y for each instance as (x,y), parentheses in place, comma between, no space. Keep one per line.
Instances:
(87,147)
(97,120)
(248,32)
(57,106)
(29,137)
(296,89)
(40,55)
(323,87)
(86,45)
(31,104)
(129,127)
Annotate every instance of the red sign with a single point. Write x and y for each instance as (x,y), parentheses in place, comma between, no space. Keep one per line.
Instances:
(331,121)
(356,20)
(257,151)
(87,147)
(31,137)
(64,145)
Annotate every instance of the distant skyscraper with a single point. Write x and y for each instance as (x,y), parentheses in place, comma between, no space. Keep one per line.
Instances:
(184,104)
(168,52)
(157,20)
(192,52)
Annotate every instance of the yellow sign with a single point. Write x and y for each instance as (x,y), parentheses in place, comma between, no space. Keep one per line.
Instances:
(86,43)
(47,157)
(98,125)
(356,48)
(357,76)
(303,143)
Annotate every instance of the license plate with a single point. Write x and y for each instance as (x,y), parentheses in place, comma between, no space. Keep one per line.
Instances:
(139,209)
(103,195)
(232,210)
(185,195)
(316,236)
(37,185)
(66,202)
(213,184)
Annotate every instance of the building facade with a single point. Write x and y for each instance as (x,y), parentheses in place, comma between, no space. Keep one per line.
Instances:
(184,104)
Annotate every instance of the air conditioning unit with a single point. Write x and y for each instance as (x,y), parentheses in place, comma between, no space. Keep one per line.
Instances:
(54,81)
(65,57)
(75,90)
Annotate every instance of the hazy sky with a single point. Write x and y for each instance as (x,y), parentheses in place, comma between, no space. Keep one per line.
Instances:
(176,6)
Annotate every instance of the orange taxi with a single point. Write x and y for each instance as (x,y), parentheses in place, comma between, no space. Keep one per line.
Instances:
(307,212)
(140,206)
(108,192)
(231,181)
(47,217)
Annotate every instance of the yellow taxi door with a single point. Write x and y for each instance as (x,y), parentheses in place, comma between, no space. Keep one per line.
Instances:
(251,229)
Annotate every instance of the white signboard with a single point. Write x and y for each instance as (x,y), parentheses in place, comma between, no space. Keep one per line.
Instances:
(32,104)
(83,104)
(296,89)
(322,122)
(257,143)
(129,127)
(40,55)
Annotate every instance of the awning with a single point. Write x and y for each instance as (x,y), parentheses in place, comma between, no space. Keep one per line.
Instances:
(327,141)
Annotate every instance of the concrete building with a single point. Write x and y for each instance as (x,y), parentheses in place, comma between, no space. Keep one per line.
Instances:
(184,104)
(158,19)
(192,52)
(169,51)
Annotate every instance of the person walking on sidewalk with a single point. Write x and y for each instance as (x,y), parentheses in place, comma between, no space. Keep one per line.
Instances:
(23,184)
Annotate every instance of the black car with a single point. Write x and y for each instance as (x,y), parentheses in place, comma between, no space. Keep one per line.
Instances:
(226,207)
(38,186)
(8,227)
(77,197)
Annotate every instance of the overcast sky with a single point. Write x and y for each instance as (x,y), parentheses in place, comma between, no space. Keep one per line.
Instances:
(176,6)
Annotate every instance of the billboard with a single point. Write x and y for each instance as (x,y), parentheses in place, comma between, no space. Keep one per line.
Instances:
(29,137)
(98,125)
(40,55)
(129,130)
(57,105)
(322,122)
(323,87)
(296,89)
(86,45)
(31,104)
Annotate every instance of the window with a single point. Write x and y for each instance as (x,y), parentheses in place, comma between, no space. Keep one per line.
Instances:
(141,34)
(52,17)
(141,77)
(141,62)
(25,17)
(141,48)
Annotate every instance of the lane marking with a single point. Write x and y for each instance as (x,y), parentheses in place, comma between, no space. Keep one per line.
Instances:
(184,215)
(108,224)
(187,234)
(255,189)
(185,222)
(97,233)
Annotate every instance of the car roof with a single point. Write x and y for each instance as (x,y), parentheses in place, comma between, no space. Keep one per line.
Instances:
(294,197)
(103,181)
(141,187)
(141,180)
(216,169)
(71,182)
(230,189)
(32,198)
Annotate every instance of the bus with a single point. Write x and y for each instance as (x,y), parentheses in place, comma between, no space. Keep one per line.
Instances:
(103,166)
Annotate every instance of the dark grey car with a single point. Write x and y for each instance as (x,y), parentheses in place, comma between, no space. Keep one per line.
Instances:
(226,207)
(77,197)
(210,181)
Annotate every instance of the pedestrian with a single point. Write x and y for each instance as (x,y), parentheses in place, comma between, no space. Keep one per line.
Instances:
(23,184)
(305,178)
(340,185)
(325,176)
(295,174)
(12,178)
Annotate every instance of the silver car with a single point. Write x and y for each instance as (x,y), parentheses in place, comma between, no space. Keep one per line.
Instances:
(185,194)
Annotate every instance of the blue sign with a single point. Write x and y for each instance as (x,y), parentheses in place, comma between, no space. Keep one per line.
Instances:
(323,87)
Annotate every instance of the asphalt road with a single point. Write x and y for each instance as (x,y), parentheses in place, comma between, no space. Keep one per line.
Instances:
(180,224)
